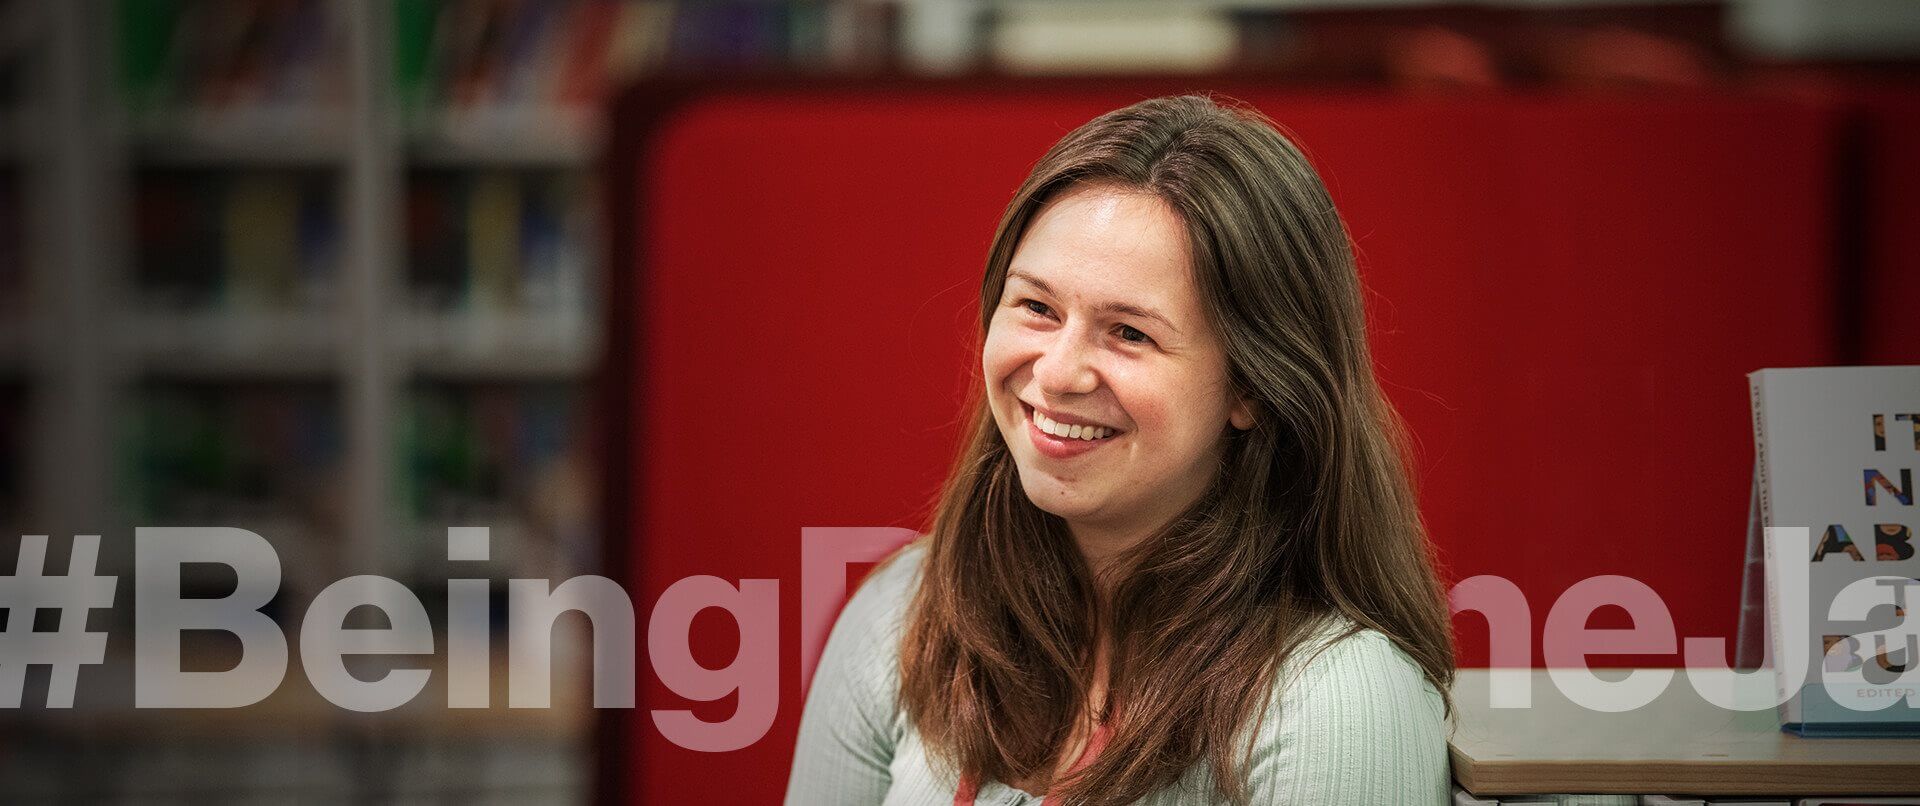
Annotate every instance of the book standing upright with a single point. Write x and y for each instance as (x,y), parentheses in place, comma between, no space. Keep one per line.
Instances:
(1836,451)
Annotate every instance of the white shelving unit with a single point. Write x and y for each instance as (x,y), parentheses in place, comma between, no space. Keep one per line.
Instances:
(90,341)
(95,338)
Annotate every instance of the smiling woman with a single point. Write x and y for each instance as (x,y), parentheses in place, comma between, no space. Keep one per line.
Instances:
(1178,560)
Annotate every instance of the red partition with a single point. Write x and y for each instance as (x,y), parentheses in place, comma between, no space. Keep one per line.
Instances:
(1889,168)
(1564,297)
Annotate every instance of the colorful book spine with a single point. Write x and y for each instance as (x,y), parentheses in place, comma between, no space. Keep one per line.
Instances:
(498,241)
(485,449)
(204,452)
(493,241)
(236,241)
(556,53)
(206,54)
(262,225)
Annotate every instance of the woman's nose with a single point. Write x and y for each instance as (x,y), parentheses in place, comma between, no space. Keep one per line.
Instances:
(1066,368)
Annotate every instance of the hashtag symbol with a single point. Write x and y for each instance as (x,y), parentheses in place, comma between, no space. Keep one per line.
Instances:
(69,645)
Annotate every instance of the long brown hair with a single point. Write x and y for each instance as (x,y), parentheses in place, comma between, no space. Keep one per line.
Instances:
(1311,516)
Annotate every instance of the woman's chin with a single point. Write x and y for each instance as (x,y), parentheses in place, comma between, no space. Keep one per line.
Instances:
(1064,500)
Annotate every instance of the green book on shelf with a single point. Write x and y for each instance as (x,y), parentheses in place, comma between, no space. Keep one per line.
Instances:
(146,32)
(413,23)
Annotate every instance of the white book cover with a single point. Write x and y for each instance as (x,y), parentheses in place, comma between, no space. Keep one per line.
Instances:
(1837,450)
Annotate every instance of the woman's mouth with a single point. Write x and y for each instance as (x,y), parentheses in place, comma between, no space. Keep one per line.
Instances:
(1062,440)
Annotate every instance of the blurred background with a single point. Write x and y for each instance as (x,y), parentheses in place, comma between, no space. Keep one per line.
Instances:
(333,272)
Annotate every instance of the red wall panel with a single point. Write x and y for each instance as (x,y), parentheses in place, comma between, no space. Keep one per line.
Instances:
(1890,168)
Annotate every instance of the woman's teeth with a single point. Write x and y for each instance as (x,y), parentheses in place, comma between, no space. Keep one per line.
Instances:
(1086,432)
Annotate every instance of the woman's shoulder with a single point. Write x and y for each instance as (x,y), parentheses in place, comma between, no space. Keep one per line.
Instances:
(852,726)
(1344,671)
(1352,719)
(889,588)
(852,696)
(1347,655)
(874,618)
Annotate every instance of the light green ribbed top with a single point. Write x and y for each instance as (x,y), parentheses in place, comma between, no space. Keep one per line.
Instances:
(1354,725)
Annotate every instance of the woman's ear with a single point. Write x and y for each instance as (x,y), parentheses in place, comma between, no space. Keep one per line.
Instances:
(1242,414)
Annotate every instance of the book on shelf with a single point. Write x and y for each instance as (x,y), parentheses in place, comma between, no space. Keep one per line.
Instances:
(541,53)
(498,240)
(557,54)
(261,456)
(252,240)
(507,455)
(207,56)
(1836,450)
(218,451)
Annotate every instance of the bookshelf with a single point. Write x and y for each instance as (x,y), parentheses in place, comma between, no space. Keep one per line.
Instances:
(217,309)
(326,271)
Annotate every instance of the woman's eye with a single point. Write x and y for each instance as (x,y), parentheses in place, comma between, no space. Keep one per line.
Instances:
(1037,307)
(1132,334)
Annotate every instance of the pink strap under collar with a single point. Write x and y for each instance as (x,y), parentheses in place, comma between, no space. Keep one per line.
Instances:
(970,788)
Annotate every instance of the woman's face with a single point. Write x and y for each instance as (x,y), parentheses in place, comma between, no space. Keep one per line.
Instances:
(1102,371)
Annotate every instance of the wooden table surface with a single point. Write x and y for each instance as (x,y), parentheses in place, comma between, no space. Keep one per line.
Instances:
(1678,744)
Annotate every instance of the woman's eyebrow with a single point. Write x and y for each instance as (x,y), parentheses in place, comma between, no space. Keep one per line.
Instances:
(1137,311)
(1123,308)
